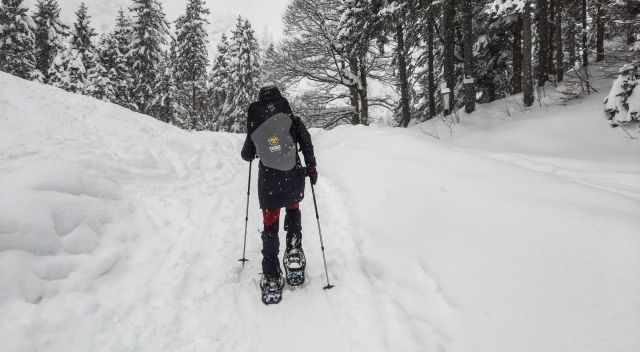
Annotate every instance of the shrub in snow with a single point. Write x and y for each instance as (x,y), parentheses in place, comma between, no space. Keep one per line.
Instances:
(622,105)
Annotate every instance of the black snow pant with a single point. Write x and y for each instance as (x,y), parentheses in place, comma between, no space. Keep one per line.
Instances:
(271,240)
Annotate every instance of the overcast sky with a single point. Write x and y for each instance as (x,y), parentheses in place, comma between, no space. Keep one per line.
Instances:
(264,15)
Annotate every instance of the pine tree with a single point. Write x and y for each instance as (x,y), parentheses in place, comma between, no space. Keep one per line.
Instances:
(67,71)
(96,81)
(150,31)
(219,82)
(245,76)
(167,104)
(82,37)
(192,59)
(113,50)
(50,33)
(17,41)
(100,84)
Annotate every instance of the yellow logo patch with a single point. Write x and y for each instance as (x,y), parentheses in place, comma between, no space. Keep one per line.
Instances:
(274,140)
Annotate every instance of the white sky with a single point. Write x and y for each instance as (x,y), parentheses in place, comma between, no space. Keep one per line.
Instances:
(265,16)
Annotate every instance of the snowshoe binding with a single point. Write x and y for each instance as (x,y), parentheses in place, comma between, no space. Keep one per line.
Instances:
(271,287)
(294,261)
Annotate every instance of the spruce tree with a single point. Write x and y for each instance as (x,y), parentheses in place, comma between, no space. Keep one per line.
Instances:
(167,105)
(113,49)
(192,60)
(67,71)
(96,80)
(245,76)
(82,37)
(17,41)
(219,82)
(50,33)
(150,32)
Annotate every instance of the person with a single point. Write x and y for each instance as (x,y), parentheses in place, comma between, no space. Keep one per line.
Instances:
(279,186)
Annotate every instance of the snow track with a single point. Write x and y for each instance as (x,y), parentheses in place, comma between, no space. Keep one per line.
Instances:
(119,233)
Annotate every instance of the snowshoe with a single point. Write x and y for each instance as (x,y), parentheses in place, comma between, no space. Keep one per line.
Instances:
(294,266)
(271,287)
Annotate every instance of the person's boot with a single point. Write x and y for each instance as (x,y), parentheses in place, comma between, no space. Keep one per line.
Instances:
(272,281)
(294,260)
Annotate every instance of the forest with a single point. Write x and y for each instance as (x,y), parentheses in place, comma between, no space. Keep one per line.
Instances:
(337,59)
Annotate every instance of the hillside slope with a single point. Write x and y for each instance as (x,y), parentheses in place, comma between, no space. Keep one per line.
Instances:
(120,233)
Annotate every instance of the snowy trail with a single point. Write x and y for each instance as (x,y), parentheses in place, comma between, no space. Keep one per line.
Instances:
(122,234)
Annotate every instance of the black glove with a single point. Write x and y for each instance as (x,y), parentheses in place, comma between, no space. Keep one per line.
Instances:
(313,174)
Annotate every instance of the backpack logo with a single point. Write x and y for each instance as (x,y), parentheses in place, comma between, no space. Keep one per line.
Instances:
(274,144)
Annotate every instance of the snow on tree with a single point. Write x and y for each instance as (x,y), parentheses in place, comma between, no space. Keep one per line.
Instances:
(245,77)
(82,37)
(219,81)
(622,105)
(96,80)
(150,32)
(192,60)
(99,83)
(17,41)
(50,34)
(67,71)
(167,104)
(113,49)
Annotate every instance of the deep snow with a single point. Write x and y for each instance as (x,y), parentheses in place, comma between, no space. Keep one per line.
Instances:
(119,233)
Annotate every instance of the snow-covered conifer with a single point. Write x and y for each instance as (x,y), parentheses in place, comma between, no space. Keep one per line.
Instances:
(245,79)
(67,71)
(50,33)
(150,32)
(219,80)
(192,59)
(113,49)
(82,37)
(17,41)
(167,104)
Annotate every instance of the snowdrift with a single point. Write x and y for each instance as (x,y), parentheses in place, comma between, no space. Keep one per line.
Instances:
(120,233)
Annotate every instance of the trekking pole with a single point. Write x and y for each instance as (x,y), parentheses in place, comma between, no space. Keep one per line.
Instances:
(324,258)
(246,218)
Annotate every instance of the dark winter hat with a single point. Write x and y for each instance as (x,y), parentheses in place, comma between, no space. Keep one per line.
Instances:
(268,93)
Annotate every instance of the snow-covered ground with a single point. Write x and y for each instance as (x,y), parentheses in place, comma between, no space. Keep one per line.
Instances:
(119,233)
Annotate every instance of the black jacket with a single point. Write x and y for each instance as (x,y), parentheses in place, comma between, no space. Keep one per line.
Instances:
(278,189)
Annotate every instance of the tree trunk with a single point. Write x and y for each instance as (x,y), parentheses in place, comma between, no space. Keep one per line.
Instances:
(362,91)
(431,84)
(355,104)
(543,39)
(585,46)
(449,50)
(403,77)
(559,47)
(552,14)
(527,75)
(571,40)
(355,100)
(599,32)
(469,84)
(516,49)
(194,115)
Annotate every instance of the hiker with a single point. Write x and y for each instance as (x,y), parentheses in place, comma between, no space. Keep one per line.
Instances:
(275,136)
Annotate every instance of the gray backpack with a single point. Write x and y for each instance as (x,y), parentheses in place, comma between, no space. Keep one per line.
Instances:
(274,144)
